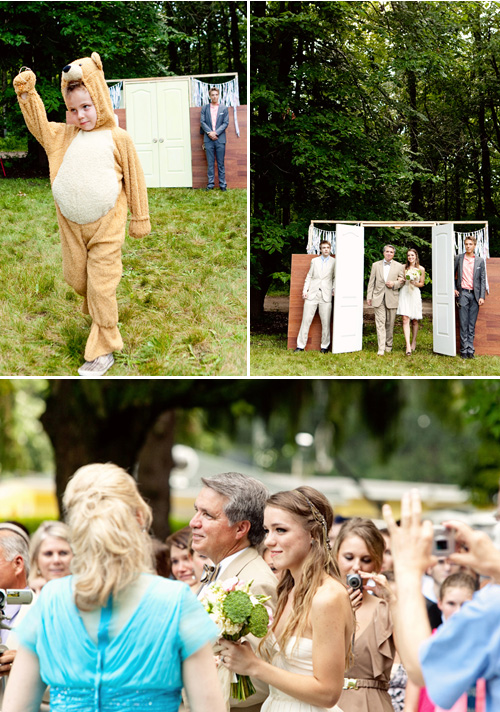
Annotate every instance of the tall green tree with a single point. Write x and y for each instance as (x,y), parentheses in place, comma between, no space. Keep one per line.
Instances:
(370,110)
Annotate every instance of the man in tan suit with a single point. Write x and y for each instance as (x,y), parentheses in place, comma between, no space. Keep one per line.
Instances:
(317,293)
(386,279)
(227,527)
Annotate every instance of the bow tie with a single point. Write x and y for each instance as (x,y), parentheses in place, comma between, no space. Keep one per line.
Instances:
(210,573)
(387,264)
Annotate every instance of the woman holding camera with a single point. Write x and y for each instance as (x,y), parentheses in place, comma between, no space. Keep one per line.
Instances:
(303,656)
(359,549)
(113,636)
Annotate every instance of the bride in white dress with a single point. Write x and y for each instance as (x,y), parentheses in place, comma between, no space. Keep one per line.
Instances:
(410,299)
(305,653)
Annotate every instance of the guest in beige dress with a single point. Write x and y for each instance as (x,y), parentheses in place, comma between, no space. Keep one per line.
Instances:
(359,548)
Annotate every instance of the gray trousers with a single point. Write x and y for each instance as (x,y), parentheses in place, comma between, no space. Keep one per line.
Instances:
(384,322)
(467,316)
(325,315)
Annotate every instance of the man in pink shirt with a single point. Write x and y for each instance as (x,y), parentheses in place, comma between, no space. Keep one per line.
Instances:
(214,122)
(470,288)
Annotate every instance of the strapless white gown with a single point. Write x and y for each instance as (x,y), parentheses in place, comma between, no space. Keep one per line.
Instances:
(297,659)
(410,301)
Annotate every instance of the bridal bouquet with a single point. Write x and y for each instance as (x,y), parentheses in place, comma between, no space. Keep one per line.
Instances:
(237,612)
(411,275)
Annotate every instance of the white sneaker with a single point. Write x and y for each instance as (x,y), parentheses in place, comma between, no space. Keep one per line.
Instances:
(97,367)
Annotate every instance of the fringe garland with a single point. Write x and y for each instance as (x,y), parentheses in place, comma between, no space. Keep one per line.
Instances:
(482,246)
(229,95)
(115,93)
(315,236)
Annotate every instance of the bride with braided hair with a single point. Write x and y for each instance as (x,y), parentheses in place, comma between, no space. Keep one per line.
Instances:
(308,646)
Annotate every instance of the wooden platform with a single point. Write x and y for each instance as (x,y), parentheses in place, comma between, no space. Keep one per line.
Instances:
(236,151)
(300,268)
(487,339)
(236,148)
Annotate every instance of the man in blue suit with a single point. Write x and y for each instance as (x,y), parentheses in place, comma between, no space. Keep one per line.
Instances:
(214,122)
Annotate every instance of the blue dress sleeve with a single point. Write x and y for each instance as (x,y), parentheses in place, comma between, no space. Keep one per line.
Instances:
(196,628)
(464,649)
(28,629)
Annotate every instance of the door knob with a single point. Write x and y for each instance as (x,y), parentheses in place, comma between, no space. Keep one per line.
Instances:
(155,140)
(161,140)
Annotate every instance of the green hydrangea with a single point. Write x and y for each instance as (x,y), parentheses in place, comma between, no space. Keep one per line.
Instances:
(237,606)
(259,620)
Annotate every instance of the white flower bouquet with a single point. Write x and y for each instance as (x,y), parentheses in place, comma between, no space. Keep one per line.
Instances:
(411,275)
(237,612)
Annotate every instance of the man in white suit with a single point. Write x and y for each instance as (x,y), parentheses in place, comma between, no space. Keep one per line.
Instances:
(227,527)
(318,290)
(386,279)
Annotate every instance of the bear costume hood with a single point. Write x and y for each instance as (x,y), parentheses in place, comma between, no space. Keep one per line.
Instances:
(89,71)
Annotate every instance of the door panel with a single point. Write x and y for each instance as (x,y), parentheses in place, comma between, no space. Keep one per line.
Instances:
(174,134)
(348,300)
(159,123)
(142,122)
(443,290)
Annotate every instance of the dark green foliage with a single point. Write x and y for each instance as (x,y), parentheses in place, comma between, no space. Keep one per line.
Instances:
(134,39)
(362,110)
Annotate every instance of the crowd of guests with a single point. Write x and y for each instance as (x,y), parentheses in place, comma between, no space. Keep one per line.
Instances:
(362,619)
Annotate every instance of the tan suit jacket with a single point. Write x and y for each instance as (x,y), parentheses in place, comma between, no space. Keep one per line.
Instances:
(250,566)
(322,276)
(377,289)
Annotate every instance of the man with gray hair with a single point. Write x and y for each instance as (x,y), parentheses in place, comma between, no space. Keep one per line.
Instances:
(14,571)
(228,527)
(386,279)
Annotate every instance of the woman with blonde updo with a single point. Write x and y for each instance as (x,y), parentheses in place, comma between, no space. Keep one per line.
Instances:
(50,554)
(305,652)
(113,636)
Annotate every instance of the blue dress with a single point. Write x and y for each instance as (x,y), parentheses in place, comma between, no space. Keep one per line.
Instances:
(139,669)
(464,649)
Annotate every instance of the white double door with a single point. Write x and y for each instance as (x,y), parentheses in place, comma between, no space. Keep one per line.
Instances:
(443,290)
(159,123)
(349,286)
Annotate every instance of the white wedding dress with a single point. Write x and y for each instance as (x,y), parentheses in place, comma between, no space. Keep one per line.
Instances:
(297,659)
(410,301)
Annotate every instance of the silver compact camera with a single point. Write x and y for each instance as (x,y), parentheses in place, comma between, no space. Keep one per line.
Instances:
(15,596)
(354,581)
(443,543)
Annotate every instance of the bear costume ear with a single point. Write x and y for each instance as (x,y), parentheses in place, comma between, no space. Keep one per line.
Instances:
(97,60)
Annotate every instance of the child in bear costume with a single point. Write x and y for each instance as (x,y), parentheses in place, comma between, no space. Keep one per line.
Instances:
(94,172)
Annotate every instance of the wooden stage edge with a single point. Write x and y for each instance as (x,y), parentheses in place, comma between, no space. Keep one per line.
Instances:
(487,339)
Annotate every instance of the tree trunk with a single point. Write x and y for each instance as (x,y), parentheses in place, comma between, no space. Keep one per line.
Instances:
(82,433)
(416,186)
(155,464)
(489,205)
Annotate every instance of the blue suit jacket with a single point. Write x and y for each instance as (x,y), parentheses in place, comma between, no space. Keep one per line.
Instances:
(220,125)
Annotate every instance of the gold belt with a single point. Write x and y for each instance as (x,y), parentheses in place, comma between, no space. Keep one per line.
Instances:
(352,683)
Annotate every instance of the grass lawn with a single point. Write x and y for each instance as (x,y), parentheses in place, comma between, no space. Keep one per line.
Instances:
(269,356)
(181,300)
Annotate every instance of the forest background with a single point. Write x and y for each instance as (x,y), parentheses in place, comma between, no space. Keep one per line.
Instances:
(418,430)
(135,39)
(370,111)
